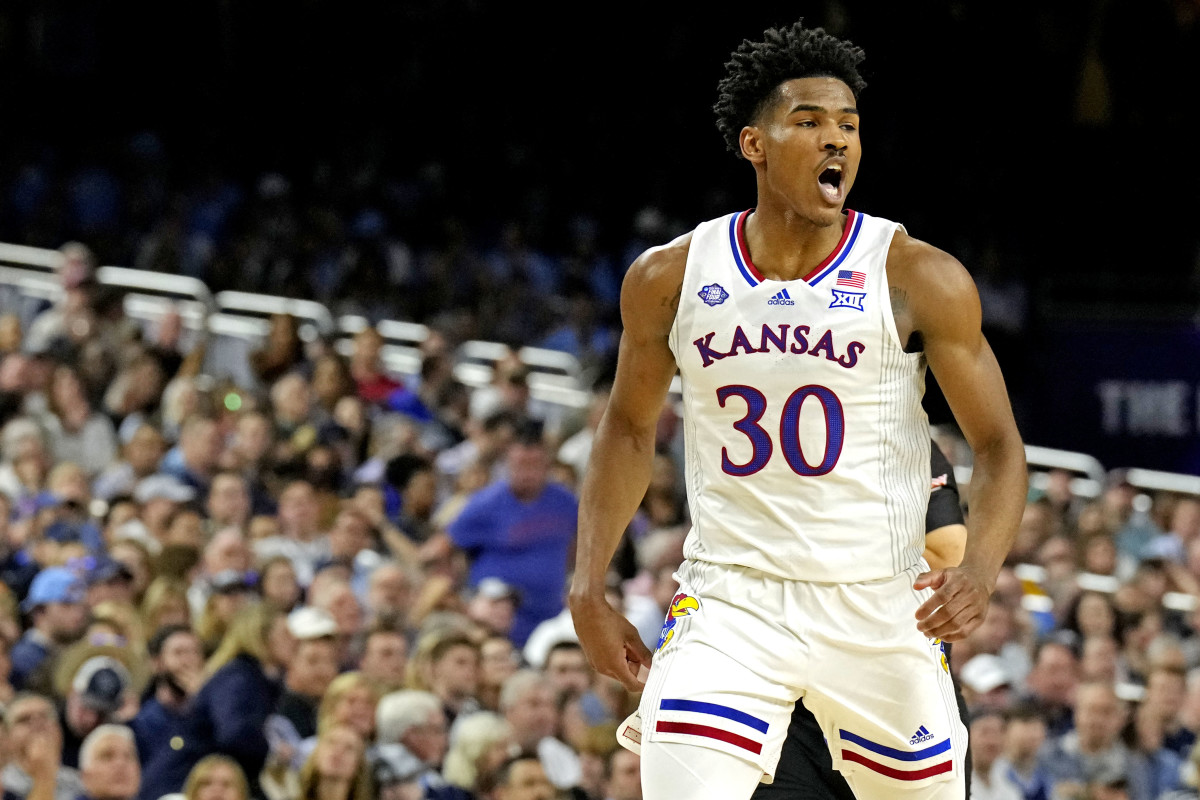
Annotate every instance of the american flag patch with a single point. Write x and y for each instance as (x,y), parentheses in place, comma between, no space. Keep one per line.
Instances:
(849,277)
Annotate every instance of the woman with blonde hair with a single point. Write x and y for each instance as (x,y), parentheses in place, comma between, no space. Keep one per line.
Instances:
(216,777)
(479,743)
(350,700)
(228,713)
(165,603)
(337,768)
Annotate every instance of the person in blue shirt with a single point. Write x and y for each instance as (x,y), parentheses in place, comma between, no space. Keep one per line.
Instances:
(521,529)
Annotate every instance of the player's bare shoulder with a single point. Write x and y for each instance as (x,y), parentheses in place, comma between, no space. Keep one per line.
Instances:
(652,286)
(926,284)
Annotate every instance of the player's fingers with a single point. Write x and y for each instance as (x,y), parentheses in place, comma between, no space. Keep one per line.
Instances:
(948,590)
(959,630)
(930,580)
(639,652)
(952,608)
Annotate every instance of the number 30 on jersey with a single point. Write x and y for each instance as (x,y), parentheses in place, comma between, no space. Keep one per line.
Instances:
(789,430)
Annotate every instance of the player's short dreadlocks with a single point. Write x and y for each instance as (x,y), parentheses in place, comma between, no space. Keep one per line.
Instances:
(756,69)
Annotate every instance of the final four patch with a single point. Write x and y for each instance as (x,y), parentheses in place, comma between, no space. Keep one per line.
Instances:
(714,294)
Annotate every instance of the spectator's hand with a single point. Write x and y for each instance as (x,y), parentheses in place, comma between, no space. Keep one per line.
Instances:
(190,680)
(958,605)
(611,643)
(43,753)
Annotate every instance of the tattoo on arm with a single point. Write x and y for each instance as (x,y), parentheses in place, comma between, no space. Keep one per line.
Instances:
(899,301)
(671,301)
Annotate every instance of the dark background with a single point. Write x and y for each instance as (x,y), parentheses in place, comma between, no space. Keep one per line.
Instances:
(1049,146)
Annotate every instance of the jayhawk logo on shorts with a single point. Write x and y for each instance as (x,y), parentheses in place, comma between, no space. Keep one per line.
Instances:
(682,605)
(940,645)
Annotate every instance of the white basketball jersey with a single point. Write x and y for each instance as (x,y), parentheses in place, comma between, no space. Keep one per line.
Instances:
(807,446)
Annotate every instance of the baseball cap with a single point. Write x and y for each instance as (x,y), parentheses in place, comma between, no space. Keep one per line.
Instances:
(54,585)
(106,569)
(163,487)
(983,673)
(308,622)
(496,589)
(101,683)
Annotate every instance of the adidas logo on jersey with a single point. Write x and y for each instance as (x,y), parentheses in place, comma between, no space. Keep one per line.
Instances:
(922,735)
(781,299)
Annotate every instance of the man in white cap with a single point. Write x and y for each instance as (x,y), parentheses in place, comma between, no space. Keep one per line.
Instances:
(985,682)
(159,496)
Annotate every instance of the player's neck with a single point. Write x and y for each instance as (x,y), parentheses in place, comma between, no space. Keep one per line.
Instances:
(785,246)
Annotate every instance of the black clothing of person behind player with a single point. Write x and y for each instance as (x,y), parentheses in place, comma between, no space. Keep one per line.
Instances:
(805,770)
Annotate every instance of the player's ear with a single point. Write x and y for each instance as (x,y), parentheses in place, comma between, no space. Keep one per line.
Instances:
(751,141)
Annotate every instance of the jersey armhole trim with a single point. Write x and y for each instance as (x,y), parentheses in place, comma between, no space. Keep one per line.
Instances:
(889,321)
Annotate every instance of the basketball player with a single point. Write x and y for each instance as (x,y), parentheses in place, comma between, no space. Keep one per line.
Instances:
(801,332)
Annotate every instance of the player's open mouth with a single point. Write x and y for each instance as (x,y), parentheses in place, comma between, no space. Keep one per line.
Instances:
(831,181)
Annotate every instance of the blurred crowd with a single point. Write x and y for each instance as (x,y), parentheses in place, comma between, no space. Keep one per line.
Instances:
(343,583)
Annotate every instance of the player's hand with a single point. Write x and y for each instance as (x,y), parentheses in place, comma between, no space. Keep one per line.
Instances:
(958,605)
(611,643)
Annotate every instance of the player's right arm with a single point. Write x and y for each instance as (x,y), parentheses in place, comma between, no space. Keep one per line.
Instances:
(618,470)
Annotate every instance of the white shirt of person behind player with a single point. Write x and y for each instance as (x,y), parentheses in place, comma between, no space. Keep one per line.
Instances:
(801,333)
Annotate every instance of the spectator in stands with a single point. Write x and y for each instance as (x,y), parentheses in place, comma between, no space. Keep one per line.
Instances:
(281,352)
(99,693)
(1052,684)
(338,767)
(384,658)
(987,744)
(198,453)
(411,724)
(331,381)
(249,453)
(57,614)
(228,592)
(522,778)
(1093,750)
(371,380)
(527,701)
(159,497)
(498,660)
(300,537)
(141,455)
(216,777)
(35,747)
(177,661)
(108,764)
(229,712)
(390,591)
(72,319)
(487,441)
(1020,764)
(312,668)
(277,582)
(228,503)
(453,671)
(622,776)
(493,604)
(493,530)
(567,669)
(78,433)
(479,744)
(412,482)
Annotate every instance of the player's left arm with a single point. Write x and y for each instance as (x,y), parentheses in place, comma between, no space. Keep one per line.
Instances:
(938,298)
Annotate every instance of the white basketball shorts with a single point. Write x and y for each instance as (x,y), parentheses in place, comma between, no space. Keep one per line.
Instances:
(739,647)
